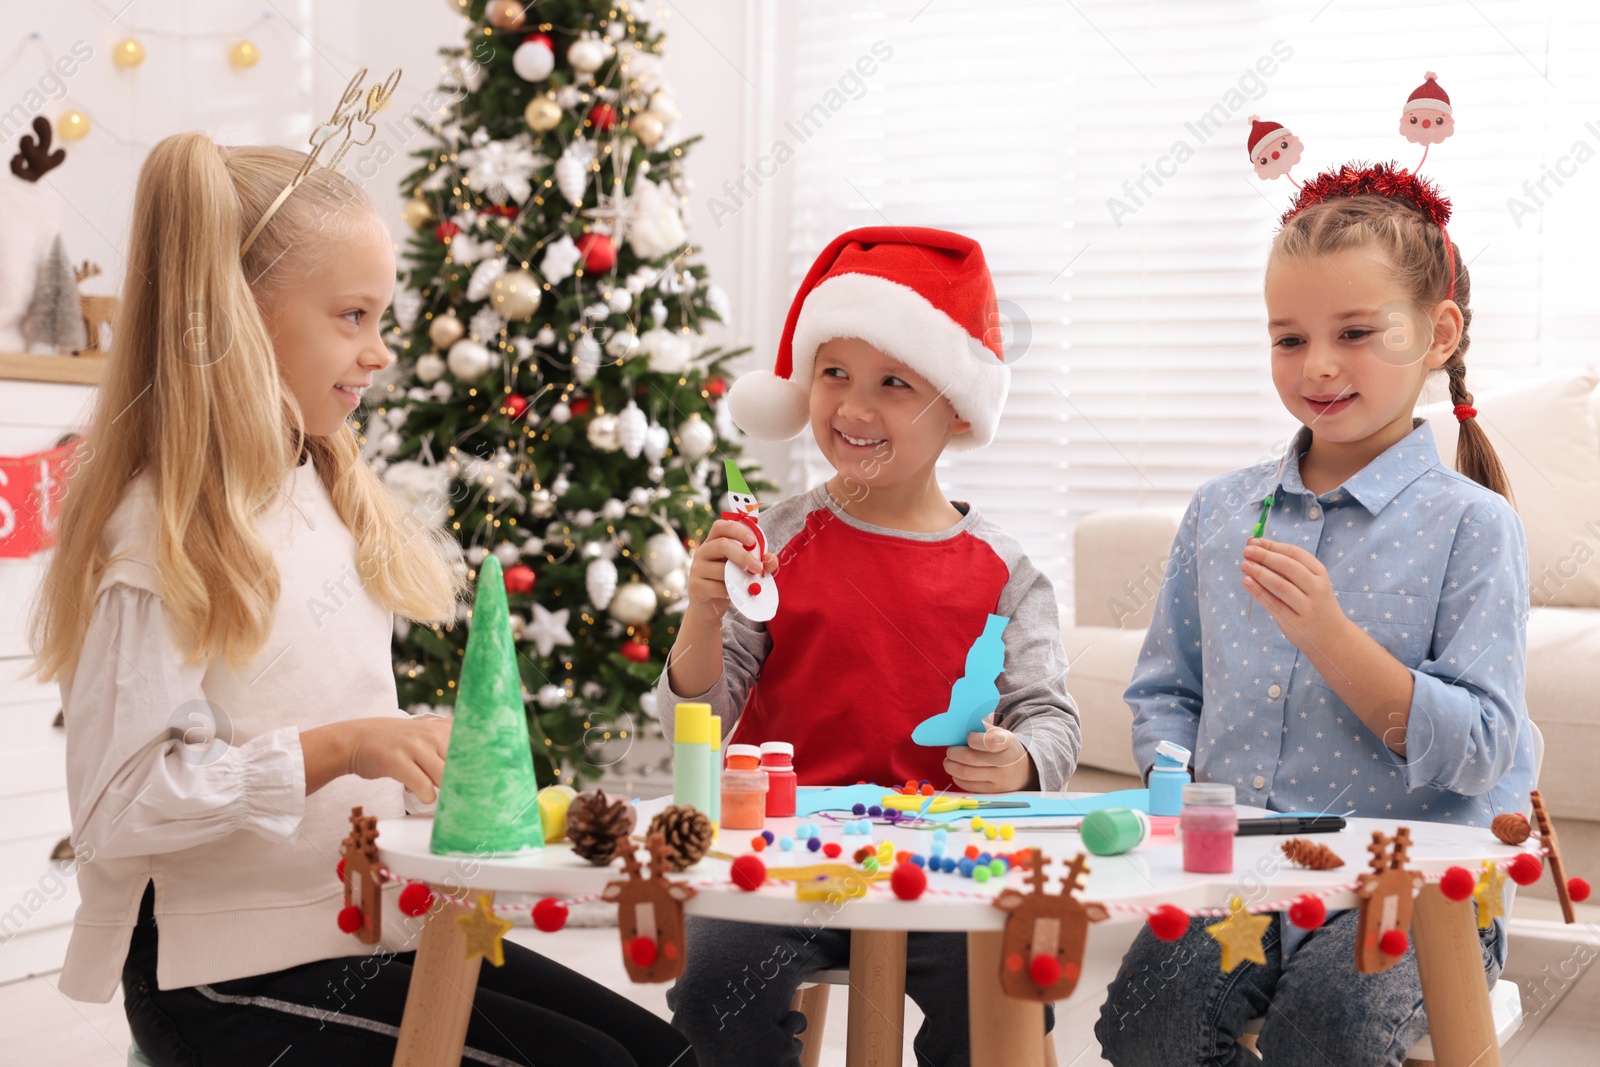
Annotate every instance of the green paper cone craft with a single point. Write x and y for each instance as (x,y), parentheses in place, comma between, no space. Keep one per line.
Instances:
(756,598)
(487,802)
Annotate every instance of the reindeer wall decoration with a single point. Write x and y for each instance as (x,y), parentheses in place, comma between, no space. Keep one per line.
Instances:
(363,878)
(1041,954)
(1386,894)
(650,915)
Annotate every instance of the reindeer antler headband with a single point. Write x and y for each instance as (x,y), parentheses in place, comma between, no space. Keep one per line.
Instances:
(344,117)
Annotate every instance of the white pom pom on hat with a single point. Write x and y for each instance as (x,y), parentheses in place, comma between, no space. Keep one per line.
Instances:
(922,296)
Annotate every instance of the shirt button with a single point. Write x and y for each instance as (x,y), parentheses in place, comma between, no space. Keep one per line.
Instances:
(1315,512)
(1259,782)
(1274,691)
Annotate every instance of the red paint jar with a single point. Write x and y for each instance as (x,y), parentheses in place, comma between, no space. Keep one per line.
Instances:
(777,759)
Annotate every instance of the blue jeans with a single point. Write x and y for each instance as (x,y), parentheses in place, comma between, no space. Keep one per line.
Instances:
(732,1001)
(1171,1004)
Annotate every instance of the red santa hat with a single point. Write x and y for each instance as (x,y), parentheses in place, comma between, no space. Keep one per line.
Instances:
(1429,95)
(1263,131)
(922,296)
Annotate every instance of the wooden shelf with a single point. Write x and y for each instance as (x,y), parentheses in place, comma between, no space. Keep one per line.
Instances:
(73,370)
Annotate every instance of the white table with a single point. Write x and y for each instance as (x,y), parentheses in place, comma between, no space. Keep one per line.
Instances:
(1004,1030)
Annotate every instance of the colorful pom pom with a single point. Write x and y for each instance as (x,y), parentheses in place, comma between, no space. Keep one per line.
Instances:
(1169,922)
(858,809)
(1308,912)
(550,915)
(1394,943)
(1526,869)
(786,843)
(870,864)
(758,843)
(813,844)
(1578,890)
(350,919)
(908,881)
(1045,971)
(642,950)
(749,873)
(832,850)
(415,899)
(1457,883)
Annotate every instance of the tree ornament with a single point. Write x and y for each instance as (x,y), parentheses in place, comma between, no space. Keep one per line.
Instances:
(468,360)
(613,510)
(515,295)
(572,170)
(542,114)
(561,413)
(1311,855)
(633,604)
(1240,936)
(647,127)
(650,916)
(549,915)
(1052,926)
(603,117)
(417,213)
(445,330)
(586,54)
(445,231)
(1512,828)
(622,344)
(533,61)
(600,582)
(1386,894)
(663,554)
(551,696)
(599,826)
(520,579)
(127,53)
(686,833)
(548,629)
(632,426)
(695,438)
(636,650)
(599,253)
(484,275)
(513,406)
(656,442)
(560,485)
(506,15)
(603,433)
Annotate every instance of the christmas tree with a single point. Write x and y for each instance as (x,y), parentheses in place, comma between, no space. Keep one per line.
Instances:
(556,402)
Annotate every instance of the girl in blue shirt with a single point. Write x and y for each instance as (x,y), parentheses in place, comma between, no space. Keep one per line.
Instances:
(1367,654)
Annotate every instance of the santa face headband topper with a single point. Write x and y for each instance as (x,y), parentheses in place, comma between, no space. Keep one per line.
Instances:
(1426,119)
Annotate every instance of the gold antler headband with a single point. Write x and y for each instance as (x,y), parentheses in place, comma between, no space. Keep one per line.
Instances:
(345,116)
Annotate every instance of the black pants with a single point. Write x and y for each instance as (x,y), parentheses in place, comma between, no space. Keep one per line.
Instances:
(532,1012)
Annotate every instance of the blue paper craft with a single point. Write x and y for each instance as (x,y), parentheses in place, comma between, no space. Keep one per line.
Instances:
(842,798)
(974,695)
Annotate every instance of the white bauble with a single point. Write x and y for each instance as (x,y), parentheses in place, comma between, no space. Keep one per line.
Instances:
(507,553)
(633,604)
(640,497)
(561,414)
(656,442)
(533,546)
(632,426)
(551,696)
(623,344)
(533,61)
(515,295)
(663,107)
(445,330)
(443,391)
(613,510)
(583,518)
(587,357)
(591,690)
(476,554)
(600,580)
(603,433)
(559,485)
(586,55)
(696,438)
(541,503)
(396,417)
(518,624)
(620,300)
(672,587)
(647,703)
(663,554)
(468,360)
(670,351)
(656,472)
(648,128)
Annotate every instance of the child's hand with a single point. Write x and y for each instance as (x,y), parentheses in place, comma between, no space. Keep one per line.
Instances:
(410,750)
(993,761)
(1294,587)
(708,588)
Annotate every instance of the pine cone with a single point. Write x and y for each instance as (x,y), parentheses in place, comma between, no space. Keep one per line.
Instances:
(687,833)
(1310,854)
(598,826)
(1511,828)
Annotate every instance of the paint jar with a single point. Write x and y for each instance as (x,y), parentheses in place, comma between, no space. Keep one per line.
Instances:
(777,759)
(1168,777)
(1208,825)
(1113,831)
(744,789)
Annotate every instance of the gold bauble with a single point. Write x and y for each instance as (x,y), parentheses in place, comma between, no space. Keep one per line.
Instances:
(446,330)
(515,295)
(73,125)
(648,127)
(506,15)
(417,213)
(543,114)
(244,55)
(127,53)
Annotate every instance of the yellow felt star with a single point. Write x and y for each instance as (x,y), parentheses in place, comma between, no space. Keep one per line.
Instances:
(1240,936)
(483,931)
(1490,893)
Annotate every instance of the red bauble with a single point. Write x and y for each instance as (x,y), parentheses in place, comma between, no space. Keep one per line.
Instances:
(599,254)
(1457,883)
(1045,971)
(514,405)
(504,211)
(604,117)
(1168,922)
(350,919)
(749,873)
(637,651)
(716,387)
(549,915)
(1308,912)
(519,579)
(1394,943)
(415,899)
(446,230)
(1526,869)
(1578,890)
(908,881)
(540,38)
(580,406)
(642,950)
(339,870)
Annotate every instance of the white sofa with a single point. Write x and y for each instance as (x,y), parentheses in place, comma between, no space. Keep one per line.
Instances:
(1545,433)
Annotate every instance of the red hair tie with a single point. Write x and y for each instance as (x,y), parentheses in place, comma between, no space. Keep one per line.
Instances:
(1464,412)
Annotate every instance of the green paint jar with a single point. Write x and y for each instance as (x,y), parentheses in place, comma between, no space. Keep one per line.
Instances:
(1113,831)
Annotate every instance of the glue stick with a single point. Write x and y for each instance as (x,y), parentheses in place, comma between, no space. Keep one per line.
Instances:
(691,757)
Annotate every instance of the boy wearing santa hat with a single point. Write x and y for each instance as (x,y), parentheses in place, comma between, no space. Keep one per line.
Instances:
(891,353)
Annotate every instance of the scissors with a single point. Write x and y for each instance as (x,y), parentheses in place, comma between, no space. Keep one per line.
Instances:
(935,805)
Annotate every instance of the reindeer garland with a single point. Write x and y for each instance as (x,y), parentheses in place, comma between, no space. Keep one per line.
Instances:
(650,915)
(1386,894)
(1041,955)
(363,879)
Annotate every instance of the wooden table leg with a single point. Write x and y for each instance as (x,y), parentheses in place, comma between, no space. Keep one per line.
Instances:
(877,1019)
(1454,990)
(1005,1032)
(433,1030)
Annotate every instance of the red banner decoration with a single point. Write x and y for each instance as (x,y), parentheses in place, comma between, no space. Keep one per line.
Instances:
(31,489)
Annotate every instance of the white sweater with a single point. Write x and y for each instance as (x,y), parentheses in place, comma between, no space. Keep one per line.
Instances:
(191,775)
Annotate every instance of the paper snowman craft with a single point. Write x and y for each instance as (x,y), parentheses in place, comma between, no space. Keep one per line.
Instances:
(1426,119)
(756,598)
(1273,149)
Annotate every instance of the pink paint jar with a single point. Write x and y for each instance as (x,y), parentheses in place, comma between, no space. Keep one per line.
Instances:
(1207,826)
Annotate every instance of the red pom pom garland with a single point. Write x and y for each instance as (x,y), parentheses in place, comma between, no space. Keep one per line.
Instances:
(1308,912)
(1578,889)
(415,899)
(1526,869)
(550,915)
(1394,943)
(748,872)
(1457,883)
(350,919)
(1169,922)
